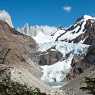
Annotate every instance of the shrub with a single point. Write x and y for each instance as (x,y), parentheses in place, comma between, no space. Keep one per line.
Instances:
(90,85)
(14,88)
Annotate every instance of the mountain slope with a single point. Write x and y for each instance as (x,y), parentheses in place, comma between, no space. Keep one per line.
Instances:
(82,31)
(15,51)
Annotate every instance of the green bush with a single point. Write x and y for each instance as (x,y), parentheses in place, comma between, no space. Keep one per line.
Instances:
(90,85)
(14,88)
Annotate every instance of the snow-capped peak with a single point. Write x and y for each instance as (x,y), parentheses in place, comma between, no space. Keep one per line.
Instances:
(76,32)
(4,16)
(41,33)
(86,17)
(33,30)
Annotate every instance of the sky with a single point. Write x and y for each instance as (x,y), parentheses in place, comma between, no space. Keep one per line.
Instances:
(47,12)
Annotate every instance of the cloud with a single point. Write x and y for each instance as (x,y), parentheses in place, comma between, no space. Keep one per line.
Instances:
(67,8)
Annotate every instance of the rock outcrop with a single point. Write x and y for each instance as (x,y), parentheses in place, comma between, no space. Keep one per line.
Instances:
(49,57)
(89,35)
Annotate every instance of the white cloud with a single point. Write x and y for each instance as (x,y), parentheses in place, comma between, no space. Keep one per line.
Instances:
(67,8)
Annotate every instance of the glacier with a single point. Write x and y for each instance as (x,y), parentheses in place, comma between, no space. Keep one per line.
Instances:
(57,72)
(42,38)
(65,47)
(62,40)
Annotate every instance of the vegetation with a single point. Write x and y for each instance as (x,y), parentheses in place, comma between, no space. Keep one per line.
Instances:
(89,85)
(14,88)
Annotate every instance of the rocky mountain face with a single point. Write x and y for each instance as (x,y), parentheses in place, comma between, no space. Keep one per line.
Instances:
(81,31)
(88,36)
(49,57)
(16,50)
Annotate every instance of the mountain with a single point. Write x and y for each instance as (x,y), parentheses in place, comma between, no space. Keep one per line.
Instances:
(16,61)
(62,47)
(66,44)
(4,16)
(37,31)
(82,31)
(48,58)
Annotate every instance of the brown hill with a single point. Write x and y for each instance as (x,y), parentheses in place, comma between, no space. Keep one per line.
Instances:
(16,50)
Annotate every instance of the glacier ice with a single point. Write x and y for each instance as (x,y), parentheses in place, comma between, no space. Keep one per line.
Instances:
(57,72)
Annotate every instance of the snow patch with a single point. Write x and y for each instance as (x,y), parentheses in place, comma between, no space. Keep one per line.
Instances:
(42,38)
(4,16)
(58,33)
(86,17)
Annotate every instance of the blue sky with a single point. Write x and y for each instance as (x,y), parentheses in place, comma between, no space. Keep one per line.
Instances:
(47,12)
